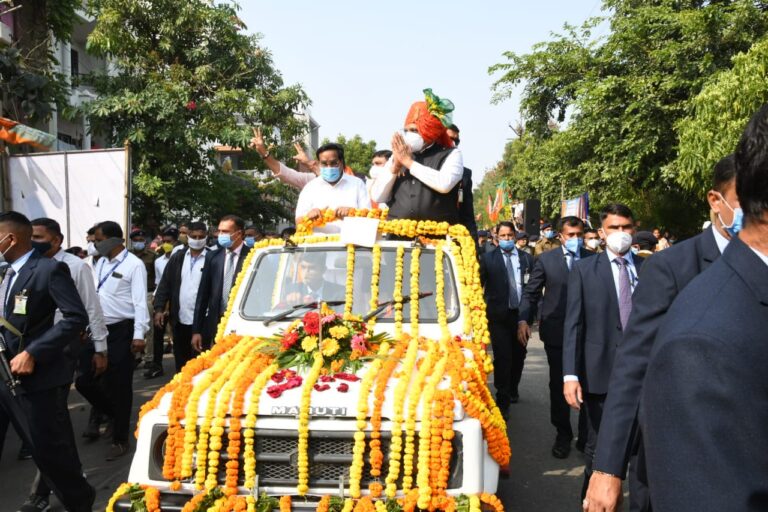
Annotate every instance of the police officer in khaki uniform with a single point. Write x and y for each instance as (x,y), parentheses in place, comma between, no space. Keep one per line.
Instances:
(548,240)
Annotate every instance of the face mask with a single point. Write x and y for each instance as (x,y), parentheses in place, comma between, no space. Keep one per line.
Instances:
(196,244)
(738,219)
(549,234)
(250,241)
(183,239)
(619,242)
(414,140)
(91,249)
(634,250)
(507,245)
(593,243)
(41,247)
(574,244)
(138,246)
(106,246)
(225,240)
(167,247)
(330,174)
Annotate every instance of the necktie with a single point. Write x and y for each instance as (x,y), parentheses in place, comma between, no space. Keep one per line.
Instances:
(229,275)
(513,298)
(625,292)
(570,258)
(4,289)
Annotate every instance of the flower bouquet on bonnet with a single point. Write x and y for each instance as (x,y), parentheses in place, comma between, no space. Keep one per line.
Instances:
(344,341)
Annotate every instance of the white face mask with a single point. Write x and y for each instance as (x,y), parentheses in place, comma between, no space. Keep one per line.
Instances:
(91,249)
(619,242)
(196,245)
(592,243)
(414,141)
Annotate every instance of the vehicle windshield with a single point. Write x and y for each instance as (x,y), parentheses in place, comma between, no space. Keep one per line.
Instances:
(284,279)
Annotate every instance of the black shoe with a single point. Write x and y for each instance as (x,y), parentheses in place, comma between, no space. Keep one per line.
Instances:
(562,448)
(116,451)
(153,372)
(92,430)
(514,399)
(25,453)
(35,503)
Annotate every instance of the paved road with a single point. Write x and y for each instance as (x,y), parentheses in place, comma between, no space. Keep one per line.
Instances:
(538,482)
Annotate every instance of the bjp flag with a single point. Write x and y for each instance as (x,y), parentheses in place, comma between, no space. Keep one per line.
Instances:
(17,133)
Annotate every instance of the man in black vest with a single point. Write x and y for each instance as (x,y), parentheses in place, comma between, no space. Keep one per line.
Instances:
(422,179)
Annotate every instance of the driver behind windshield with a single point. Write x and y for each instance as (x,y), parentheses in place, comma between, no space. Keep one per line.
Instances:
(313,285)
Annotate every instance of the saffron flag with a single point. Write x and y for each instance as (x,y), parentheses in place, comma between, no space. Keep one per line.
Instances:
(17,133)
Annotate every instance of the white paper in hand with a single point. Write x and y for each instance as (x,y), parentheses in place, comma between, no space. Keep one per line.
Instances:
(359,231)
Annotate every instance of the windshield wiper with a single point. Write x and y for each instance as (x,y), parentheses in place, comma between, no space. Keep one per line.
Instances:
(385,305)
(293,309)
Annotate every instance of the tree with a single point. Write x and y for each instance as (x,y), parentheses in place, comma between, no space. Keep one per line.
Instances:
(621,97)
(187,78)
(358,153)
(29,88)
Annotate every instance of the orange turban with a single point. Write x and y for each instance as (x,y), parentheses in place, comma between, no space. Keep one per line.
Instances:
(431,118)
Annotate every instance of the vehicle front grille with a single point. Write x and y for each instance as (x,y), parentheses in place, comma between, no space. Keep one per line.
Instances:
(330,457)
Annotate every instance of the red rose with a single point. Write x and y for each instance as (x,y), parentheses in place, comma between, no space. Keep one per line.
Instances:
(343,387)
(322,387)
(191,105)
(312,322)
(349,377)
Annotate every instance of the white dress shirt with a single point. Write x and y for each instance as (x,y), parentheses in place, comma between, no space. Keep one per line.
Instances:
(760,255)
(16,266)
(516,267)
(348,192)
(441,180)
(631,270)
(720,240)
(82,275)
(191,272)
(570,257)
(122,287)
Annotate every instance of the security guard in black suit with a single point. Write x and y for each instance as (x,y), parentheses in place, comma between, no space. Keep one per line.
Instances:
(32,289)
(219,274)
(498,269)
(664,276)
(704,404)
(550,277)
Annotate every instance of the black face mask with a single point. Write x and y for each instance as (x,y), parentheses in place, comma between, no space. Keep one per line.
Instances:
(41,247)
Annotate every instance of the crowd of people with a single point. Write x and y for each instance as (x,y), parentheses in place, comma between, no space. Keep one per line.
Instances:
(659,345)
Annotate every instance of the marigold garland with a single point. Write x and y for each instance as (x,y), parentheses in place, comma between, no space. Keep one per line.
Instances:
(303,445)
(349,287)
(375,277)
(414,285)
(397,294)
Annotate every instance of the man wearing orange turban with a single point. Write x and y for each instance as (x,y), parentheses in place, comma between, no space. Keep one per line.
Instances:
(421,179)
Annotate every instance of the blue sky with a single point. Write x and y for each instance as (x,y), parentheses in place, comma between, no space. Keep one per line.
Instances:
(363,63)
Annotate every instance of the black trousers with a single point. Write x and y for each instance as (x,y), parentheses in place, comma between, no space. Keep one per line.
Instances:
(639,494)
(508,357)
(182,344)
(158,345)
(112,391)
(559,410)
(43,417)
(593,405)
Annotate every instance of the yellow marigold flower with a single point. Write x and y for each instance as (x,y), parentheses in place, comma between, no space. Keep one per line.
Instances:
(338,332)
(330,347)
(309,343)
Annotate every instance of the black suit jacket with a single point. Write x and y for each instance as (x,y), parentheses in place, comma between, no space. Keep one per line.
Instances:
(170,285)
(48,287)
(331,291)
(550,273)
(493,275)
(664,275)
(592,328)
(208,304)
(704,405)
(467,207)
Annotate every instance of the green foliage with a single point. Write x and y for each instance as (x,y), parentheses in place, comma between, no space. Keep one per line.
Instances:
(720,112)
(188,79)
(27,94)
(357,153)
(622,97)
